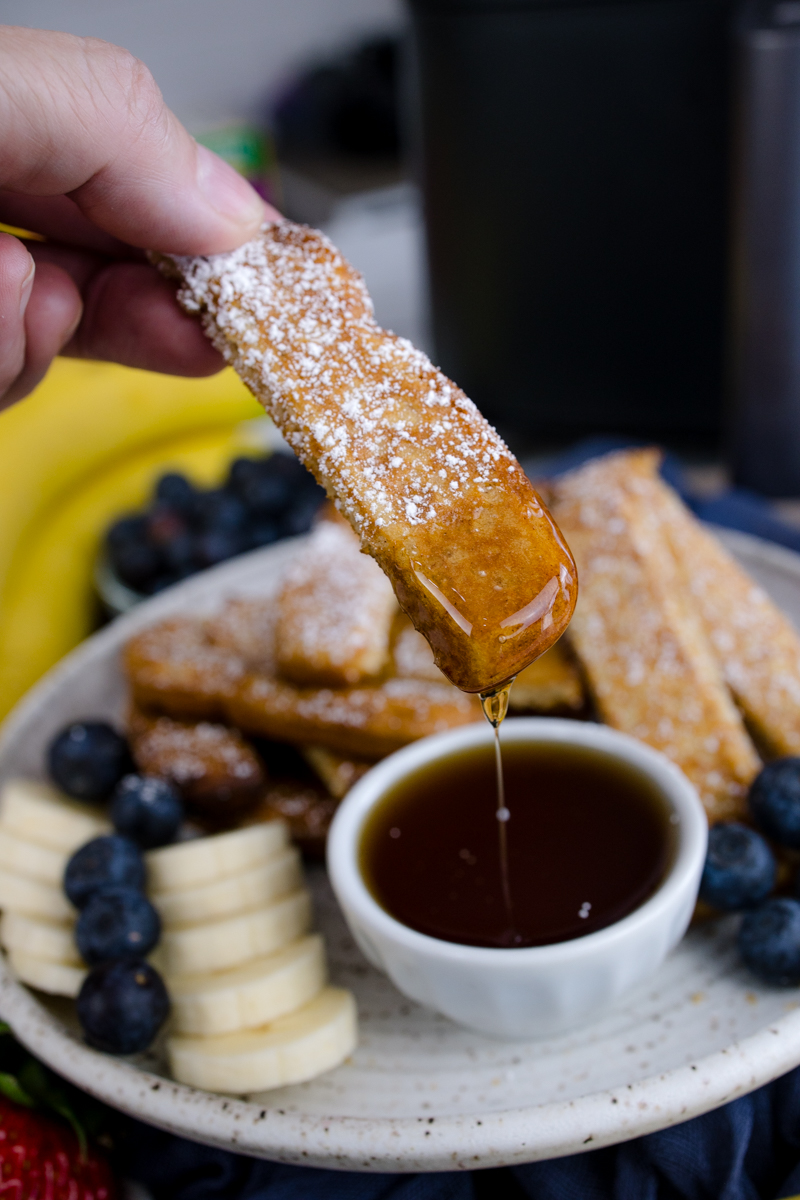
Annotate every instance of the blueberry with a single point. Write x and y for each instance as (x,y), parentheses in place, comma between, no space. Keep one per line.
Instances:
(175,491)
(125,531)
(135,563)
(213,548)
(289,467)
(88,759)
(298,519)
(262,533)
(164,525)
(268,495)
(769,941)
(159,583)
(220,512)
(775,801)
(106,861)
(179,554)
(146,809)
(239,472)
(117,922)
(122,1005)
(740,868)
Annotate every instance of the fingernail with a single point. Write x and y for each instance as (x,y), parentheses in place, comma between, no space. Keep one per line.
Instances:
(26,288)
(227,191)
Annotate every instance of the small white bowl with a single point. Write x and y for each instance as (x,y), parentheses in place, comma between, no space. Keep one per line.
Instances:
(539,990)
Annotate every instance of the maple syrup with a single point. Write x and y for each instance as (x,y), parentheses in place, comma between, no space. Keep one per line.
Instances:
(495,709)
(592,839)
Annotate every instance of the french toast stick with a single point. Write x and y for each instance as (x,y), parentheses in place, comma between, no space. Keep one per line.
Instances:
(550,684)
(338,772)
(756,646)
(174,667)
(643,648)
(367,721)
(245,628)
(432,491)
(364,722)
(217,773)
(335,610)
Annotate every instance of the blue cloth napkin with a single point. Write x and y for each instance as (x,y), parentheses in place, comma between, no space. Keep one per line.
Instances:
(735,508)
(747,1150)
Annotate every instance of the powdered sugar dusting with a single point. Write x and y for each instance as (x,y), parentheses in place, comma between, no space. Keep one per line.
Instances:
(193,753)
(335,611)
(364,406)
(643,647)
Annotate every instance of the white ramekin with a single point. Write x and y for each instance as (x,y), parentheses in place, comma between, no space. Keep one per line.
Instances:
(539,990)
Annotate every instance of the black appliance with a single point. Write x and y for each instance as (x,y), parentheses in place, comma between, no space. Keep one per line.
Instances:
(764,442)
(575,161)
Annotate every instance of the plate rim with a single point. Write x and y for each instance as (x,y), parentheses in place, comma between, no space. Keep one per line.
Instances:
(392,1144)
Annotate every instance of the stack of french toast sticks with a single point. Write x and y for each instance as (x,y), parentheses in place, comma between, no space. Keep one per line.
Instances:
(671,642)
(329,666)
(678,645)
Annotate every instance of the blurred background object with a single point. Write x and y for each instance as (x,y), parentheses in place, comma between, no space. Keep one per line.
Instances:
(217,63)
(575,168)
(765,431)
(186,528)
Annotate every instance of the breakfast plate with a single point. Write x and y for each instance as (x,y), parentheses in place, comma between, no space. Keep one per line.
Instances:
(420,1093)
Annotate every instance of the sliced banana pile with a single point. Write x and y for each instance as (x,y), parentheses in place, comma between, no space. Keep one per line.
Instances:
(39,829)
(247,981)
(250,1009)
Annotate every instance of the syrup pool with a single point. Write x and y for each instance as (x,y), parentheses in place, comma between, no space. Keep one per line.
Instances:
(591,841)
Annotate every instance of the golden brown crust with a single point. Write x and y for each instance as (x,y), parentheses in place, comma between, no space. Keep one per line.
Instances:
(245,627)
(366,722)
(305,807)
(337,772)
(432,491)
(643,648)
(217,773)
(335,609)
(412,657)
(174,667)
(755,645)
(551,684)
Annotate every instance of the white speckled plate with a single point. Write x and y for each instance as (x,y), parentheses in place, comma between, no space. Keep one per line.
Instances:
(420,1093)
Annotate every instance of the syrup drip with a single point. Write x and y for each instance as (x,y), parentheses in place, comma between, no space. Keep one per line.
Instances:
(495,708)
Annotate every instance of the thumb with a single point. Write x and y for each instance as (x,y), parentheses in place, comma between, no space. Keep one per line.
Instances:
(84,118)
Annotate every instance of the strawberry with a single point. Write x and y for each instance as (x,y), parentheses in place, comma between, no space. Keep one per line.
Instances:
(41,1159)
(46,1157)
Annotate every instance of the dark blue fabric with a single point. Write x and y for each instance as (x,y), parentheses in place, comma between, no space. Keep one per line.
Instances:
(736,508)
(747,1150)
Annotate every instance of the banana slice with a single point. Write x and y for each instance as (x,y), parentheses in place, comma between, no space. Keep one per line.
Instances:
(238,939)
(238,893)
(293,1048)
(251,995)
(198,862)
(36,812)
(40,939)
(31,859)
(57,978)
(33,898)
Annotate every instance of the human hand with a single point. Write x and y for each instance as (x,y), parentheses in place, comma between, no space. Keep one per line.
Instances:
(91,158)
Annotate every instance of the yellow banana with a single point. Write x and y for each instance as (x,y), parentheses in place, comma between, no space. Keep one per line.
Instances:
(48,604)
(86,415)
(85,446)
